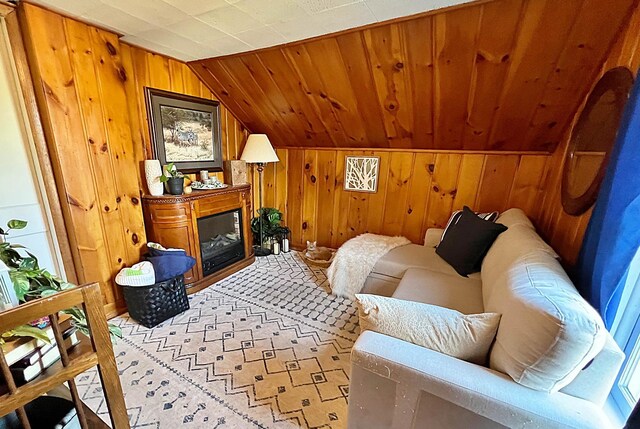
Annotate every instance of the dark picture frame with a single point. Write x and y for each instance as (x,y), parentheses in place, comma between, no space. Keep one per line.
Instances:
(185,130)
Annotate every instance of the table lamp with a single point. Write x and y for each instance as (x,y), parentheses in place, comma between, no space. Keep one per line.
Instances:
(259,151)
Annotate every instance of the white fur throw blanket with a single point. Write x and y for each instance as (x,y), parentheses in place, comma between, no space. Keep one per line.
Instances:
(355,259)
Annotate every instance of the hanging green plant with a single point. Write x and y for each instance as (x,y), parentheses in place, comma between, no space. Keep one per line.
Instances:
(32,282)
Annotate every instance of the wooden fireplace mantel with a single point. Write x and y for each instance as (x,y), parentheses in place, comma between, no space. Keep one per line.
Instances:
(172,220)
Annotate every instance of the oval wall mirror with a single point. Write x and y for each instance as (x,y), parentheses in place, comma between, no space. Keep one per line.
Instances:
(592,139)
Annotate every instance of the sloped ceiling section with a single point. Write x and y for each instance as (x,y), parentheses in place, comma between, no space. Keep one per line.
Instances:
(505,75)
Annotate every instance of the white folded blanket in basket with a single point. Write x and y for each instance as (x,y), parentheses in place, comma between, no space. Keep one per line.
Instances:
(141,274)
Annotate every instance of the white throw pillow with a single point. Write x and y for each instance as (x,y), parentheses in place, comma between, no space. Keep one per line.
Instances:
(466,337)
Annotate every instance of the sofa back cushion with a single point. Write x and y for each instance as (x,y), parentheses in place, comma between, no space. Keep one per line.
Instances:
(548,332)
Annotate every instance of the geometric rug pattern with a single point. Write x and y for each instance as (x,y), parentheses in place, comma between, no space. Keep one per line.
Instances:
(267,347)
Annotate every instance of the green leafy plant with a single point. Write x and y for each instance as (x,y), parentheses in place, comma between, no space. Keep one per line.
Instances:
(271,224)
(32,282)
(170,172)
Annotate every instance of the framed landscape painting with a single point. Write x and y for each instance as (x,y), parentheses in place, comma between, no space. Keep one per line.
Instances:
(184,130)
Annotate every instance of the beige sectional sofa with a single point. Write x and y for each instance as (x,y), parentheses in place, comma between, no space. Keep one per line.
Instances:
(549,339)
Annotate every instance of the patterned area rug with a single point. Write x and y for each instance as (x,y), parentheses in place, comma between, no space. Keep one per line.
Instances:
(267,348)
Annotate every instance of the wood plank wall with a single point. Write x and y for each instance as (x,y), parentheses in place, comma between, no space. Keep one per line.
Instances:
(416,191)
(89,88)
(500,75)
(565,232)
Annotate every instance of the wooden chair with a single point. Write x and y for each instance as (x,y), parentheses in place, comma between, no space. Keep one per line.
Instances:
(96,352)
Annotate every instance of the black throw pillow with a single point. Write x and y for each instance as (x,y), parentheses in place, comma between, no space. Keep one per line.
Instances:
(466,243)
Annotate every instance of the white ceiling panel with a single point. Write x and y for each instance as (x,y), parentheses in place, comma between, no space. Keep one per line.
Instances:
(229,19)
(196,29)
(350,15)
(261,37)
(127,24)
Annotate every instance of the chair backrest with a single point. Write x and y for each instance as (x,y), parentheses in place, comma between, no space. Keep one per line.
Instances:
(96,351)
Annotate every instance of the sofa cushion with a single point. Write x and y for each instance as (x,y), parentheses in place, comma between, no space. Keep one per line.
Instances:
(466,242)
(450,332)
(397,261)
(513,217)
(548,332)
(451,291)
(510,246)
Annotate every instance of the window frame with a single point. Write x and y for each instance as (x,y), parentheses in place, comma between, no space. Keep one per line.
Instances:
(626,333)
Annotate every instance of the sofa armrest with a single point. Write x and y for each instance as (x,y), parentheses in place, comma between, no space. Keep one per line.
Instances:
(474,389)
(432,237)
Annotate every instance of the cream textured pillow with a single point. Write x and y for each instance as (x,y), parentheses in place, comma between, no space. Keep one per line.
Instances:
(466,337)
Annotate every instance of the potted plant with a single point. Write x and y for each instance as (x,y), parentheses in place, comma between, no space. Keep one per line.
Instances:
(32,282)
(271,225)
(173,179)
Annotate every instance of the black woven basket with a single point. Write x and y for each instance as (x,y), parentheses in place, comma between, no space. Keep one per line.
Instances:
(151,305)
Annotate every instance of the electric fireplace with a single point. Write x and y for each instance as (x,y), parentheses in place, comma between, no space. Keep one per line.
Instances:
(221,240)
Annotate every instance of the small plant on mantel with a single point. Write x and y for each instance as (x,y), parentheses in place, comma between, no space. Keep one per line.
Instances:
(173,178)
(32,282)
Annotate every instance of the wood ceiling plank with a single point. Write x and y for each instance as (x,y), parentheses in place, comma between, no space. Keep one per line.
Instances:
(284,77)
(356,60)
(455,52)
(267,93)
(254,94)
(419,65)
(213,75)
(338,93)
(384,45)
(563,92)
(496,40)
(262,120)
(544,29)
(314,88)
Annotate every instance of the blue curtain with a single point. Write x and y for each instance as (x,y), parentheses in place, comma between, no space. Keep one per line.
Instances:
(613,234)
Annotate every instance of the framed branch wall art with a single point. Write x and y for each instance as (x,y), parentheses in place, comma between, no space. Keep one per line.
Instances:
(361,173)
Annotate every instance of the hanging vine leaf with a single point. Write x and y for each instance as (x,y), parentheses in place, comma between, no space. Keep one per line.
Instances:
(30,282)
(16,224)
(25,331)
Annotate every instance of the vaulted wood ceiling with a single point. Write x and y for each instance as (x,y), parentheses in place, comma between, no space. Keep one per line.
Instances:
(497,75)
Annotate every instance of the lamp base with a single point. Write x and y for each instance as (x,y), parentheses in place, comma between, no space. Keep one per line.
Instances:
(261,251)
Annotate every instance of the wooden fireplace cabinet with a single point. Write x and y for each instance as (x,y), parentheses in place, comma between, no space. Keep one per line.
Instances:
(172,220)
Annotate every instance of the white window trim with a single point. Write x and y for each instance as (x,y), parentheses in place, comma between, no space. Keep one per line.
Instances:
(624,324)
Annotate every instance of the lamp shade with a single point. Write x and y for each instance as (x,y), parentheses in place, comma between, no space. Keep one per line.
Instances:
(258,150)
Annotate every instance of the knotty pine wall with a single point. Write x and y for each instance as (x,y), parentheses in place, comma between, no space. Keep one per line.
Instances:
(416,191)
(565,232)
(89,88)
